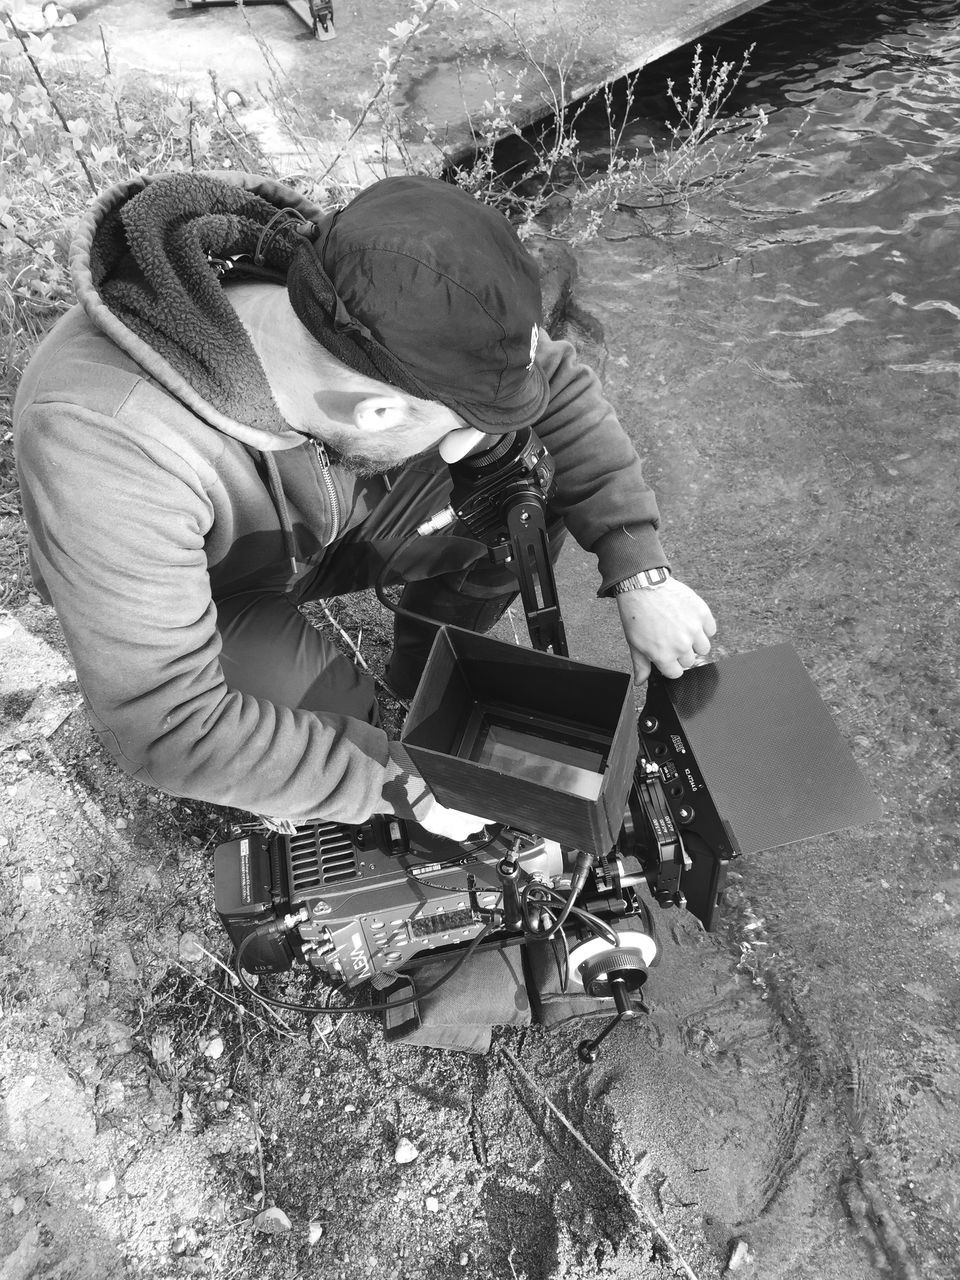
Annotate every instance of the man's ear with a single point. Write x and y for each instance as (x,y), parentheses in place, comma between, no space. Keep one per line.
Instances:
(380,413)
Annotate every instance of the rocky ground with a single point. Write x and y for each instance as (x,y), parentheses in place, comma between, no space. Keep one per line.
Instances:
(157,1124)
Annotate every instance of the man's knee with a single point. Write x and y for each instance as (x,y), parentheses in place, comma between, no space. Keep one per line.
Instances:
(270,651)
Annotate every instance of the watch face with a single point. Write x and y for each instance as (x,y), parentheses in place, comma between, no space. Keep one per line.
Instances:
(645,578)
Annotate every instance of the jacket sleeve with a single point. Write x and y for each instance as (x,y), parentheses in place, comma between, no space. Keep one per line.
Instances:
(601,493)
(118,529)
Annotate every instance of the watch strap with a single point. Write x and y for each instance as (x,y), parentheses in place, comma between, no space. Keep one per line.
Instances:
(645,580)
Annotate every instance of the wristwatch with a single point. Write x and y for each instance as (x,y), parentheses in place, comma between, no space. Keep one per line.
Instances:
(645,580)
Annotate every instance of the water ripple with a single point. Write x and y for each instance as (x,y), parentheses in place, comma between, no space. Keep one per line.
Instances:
(854,204)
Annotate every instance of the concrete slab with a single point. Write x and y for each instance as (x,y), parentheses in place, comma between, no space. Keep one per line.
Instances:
(531,52)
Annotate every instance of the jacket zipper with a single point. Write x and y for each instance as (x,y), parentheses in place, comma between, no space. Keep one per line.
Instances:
(330,487)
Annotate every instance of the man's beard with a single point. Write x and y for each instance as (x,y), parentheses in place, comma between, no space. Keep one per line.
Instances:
(360,464)
(368,465)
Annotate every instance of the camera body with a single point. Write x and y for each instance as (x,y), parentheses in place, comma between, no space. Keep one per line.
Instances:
(377,898)
(736,757)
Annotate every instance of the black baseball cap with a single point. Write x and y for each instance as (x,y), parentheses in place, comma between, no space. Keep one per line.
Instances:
(416,283)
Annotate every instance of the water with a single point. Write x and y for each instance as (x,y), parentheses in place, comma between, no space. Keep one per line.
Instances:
(786,358)
(854,205)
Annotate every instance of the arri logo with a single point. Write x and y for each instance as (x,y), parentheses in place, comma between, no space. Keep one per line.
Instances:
(358,954)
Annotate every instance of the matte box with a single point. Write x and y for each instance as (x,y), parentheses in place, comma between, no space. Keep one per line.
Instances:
(536,741)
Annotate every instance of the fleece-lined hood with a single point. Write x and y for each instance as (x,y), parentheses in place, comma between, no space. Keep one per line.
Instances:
(145,266)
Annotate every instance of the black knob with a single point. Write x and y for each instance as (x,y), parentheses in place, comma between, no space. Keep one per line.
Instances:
(620,968)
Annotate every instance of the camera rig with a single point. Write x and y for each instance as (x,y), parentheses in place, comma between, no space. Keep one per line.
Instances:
(601,817)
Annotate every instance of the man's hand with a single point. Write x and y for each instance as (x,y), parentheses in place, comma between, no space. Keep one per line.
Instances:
(450,823)
(668,627)
(406,794)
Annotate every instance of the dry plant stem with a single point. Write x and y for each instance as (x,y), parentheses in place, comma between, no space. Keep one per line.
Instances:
(282,102)
(244,155)
(121,136)
(381,87)
(253,1109)
(53,102)
(674,1254)
(355,650)
(237,1006)
(344,636)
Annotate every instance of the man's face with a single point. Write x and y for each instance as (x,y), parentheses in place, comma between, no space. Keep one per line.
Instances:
(386,433)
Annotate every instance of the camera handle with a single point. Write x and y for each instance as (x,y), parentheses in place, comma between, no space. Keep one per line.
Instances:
(500,494)
(589,1050)
(529,559)
(616,973)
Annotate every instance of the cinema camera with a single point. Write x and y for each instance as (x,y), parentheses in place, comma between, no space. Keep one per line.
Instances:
(598,817)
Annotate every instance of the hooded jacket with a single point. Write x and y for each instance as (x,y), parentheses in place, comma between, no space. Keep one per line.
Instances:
(158,476)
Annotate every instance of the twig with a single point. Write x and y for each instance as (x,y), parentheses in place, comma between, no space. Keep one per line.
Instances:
(674,1254)
(122,135)
(193,162)
(354,648)
(418,25)
(53,102)
(253,1109)
(235,1004)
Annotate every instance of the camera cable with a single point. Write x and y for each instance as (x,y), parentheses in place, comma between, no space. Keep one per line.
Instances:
(313,1009)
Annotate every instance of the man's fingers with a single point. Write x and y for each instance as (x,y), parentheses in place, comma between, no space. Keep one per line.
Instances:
(709,622)
(641,667)
(701,646)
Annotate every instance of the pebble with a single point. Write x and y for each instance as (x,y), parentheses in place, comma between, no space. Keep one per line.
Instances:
(122,963)
(17,1205)
(189,947)
(406,1152)
(24,757)
(272,1222)
(213,1048)
(314,1232)
(187,1240)
(740,1256)
(432,1204)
